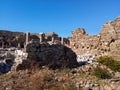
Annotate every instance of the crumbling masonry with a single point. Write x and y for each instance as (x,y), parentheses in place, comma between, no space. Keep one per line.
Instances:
(107,42)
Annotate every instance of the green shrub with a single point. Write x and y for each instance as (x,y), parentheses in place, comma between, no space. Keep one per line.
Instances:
(110,62)
(115,66)
(101,73)
(105,60)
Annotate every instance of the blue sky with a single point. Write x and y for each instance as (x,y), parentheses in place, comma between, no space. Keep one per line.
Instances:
(59,16)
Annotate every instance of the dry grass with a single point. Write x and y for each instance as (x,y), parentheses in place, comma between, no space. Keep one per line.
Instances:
(36,79)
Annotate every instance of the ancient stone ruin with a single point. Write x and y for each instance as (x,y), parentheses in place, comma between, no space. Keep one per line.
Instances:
(107,42)
(11,39)
(53,51)
(21,53)
(43,49)
(19,39)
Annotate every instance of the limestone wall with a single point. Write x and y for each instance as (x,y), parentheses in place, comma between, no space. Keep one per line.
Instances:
(107,42)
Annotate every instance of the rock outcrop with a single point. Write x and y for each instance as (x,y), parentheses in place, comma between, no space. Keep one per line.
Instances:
(107,42)
(54,56)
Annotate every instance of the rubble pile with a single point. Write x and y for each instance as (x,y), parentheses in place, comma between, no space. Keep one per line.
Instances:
(21,56)
(85,58)
(10,62)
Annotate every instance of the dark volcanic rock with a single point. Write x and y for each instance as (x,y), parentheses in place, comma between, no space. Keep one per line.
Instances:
(54,56)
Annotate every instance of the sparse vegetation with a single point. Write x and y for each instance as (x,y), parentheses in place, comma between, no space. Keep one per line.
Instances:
(101,73)
(35,77)
(47,79)
(110,62)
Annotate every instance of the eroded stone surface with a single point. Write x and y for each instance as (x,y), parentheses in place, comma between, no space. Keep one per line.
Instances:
(53,56)
(107,42)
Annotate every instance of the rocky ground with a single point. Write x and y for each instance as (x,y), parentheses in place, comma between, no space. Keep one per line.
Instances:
(79,78)
(24,74)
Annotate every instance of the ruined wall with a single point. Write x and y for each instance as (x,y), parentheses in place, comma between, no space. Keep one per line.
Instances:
(52,37)
(11,39)
(19,39)
(107,42)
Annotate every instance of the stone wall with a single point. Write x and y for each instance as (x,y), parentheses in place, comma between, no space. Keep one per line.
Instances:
(18,39)
(107,42)
(11,39)
(52,37)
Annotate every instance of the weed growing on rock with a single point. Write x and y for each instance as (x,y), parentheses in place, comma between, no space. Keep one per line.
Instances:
(110,62)
(101,73)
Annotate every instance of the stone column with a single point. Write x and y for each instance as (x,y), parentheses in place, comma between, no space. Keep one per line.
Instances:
(62,40)
(41,36)
(27,37)
(53,39)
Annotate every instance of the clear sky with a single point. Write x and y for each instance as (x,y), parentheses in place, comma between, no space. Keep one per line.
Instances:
(59,16)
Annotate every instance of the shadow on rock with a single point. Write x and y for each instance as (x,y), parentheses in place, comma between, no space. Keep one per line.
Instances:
(53,56)
(5,66)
